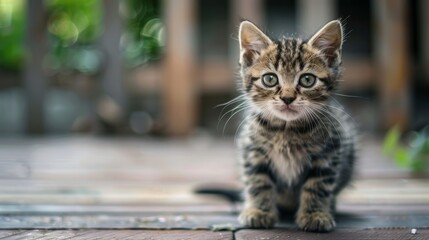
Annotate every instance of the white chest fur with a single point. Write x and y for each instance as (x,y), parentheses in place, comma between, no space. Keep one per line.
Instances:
(288,166)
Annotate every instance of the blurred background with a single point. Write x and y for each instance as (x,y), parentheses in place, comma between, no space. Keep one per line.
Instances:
(99,99)
(160,67)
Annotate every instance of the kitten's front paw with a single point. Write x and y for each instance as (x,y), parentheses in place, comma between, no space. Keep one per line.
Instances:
(256,218)
(316,222)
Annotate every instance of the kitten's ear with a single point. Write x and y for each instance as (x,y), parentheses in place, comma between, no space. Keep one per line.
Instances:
(329,41)
(252,42)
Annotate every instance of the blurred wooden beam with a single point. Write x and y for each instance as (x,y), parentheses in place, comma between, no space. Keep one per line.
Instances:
(112,79)
(358,75)
(218,76)
(33,75)
(423,6)
(392,56)
(179,88)
(252,10)
(313,14)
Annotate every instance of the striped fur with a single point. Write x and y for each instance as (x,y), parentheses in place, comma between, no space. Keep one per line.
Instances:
(300,158)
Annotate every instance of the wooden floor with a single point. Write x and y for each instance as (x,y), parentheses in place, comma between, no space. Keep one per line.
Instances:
(100,188)
(349,234)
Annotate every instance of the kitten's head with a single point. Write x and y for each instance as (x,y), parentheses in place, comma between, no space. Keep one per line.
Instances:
(289,77)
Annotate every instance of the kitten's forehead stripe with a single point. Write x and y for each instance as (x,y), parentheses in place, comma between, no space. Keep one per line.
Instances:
(279,54)
(300,60)
(284,60)
(290,53)
(294,44)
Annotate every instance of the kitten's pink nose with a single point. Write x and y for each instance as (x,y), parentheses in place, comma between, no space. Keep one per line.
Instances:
(288,100)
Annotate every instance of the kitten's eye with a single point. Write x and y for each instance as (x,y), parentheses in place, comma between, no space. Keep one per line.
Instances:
(270,80)
(307,80)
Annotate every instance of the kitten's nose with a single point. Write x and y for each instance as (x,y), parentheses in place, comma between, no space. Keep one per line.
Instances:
(287,100)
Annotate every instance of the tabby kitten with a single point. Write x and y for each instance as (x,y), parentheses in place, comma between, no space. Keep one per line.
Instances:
(297,146)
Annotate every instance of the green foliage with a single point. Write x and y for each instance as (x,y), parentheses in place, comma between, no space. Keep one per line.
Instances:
(391,140)
(12,34)
(73,28)
(74,21)
(145,31)
(414,154)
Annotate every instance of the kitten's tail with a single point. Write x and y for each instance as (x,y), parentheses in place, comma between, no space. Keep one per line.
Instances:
(232,195)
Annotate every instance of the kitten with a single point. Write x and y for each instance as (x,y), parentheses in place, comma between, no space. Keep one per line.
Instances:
(297,146)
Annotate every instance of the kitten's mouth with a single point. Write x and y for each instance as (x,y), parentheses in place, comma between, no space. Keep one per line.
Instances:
(287,109)
(286,112)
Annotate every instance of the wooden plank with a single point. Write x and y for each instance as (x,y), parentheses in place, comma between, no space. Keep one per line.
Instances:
(348,217)
(344,234)
(121,234)
(33,234)
(33,74)
(118,221)
(8,233)
(179,86)
(103,234)
(215,76)
(313,14)
(221,207)
(112,72)
(369,219)
(41,234)
(370,191)
(77,234)
(393,60)
(125,171)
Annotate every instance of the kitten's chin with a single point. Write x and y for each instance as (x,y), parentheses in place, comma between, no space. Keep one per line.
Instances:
(287,114)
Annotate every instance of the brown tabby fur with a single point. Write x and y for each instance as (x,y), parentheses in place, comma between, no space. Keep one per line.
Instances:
(297,146)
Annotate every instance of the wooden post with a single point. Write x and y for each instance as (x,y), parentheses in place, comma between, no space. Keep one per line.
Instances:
(423,6)
(112,80)
(179,86)
(33,75)
(393,61)
(313,14)
(252,10)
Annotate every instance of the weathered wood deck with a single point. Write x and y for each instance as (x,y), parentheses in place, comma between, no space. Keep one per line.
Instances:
(97,188)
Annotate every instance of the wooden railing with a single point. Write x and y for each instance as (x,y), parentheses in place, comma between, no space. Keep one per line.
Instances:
(180,77)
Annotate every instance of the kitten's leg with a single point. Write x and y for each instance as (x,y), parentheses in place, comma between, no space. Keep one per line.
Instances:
(260,192)
(314,213)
